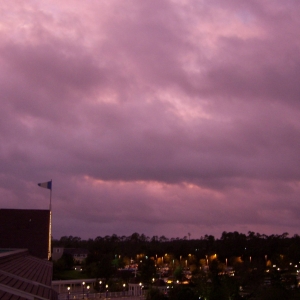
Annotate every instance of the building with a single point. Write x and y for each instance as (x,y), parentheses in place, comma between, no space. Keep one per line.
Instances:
(25,272)
(78,254)
(26,229)
(25,277)
(135,287)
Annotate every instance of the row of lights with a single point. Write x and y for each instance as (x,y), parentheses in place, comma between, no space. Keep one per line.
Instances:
(83,284)
(88,288)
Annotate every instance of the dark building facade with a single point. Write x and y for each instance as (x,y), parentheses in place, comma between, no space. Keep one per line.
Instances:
(26,229)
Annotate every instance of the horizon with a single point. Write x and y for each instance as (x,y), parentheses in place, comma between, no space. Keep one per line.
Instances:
(149,238)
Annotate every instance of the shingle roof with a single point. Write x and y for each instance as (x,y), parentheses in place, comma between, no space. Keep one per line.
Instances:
(8,296)
(23,276)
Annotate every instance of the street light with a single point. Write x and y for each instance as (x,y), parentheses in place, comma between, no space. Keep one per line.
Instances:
(88,289)
(68,292)
(83,290)
(106,292)
(100,287)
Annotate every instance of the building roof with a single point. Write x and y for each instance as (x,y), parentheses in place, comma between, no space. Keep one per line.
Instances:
(25,229)
(23,276)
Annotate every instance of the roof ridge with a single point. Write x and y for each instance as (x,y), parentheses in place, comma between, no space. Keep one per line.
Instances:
(24,279)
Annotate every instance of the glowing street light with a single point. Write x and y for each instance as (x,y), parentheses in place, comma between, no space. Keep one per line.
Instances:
(100,286)
(88,290)
(83,290)
(106,292)
(68,292)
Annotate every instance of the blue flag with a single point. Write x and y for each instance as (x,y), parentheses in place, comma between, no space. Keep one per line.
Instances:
(46,185)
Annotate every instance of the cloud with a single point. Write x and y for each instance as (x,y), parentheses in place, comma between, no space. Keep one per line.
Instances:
(158,117)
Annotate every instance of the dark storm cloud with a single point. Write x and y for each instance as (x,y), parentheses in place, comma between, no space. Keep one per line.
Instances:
(161,117)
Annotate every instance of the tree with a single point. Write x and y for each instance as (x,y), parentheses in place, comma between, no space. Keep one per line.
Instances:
(178,273)
(66,262)
(182,293)
(155,294)
(147,269)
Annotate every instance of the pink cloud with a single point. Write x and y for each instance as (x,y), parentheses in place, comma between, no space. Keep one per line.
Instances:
(157,117)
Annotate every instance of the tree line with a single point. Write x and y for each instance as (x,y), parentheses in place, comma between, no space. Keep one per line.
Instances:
(252,256)
(228,245)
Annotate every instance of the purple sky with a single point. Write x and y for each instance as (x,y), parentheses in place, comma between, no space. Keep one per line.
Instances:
(157,117)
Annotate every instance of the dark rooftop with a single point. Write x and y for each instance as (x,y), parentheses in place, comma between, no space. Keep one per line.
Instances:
(23,276)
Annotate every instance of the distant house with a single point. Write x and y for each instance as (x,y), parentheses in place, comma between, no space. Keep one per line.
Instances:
(135,287)
(78,254)
(57,253)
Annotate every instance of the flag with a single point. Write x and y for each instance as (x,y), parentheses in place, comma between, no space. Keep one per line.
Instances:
(46,185)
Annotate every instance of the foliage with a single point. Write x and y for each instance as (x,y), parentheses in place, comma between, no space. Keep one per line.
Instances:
(178,273)
(182,293)
(147,270)
(155,294)
(252,256)
(68,274)
(64,263)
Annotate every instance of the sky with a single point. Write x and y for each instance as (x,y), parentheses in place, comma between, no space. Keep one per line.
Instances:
(159,117)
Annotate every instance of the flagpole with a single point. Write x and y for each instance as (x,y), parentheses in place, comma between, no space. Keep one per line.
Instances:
(50,224)
(48,185)
(50,195)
